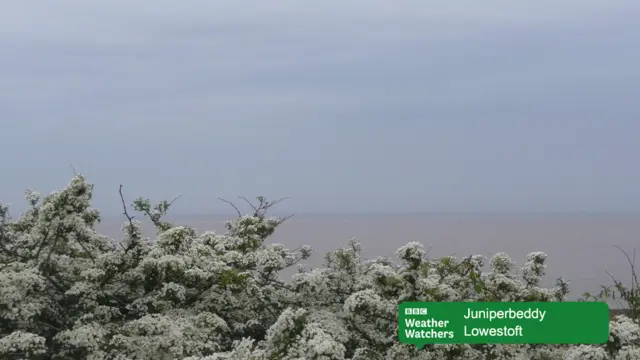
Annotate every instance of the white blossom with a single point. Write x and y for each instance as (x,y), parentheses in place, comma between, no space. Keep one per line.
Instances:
(624,331)
(22,345)
(586,352)
(628,353)
(70,293)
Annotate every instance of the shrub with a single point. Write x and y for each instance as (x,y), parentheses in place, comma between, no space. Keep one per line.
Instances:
(67,292)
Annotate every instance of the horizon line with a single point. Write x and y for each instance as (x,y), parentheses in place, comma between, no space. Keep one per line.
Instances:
(408,213)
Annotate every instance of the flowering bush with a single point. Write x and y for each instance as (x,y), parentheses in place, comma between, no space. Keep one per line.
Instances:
(67,292)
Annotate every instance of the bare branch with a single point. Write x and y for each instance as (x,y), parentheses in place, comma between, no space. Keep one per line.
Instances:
(277,201)
(124,206)
(129,218)
(632,264)
(176,198)
(620,287)
(615,281)
(256,209)
(230,203)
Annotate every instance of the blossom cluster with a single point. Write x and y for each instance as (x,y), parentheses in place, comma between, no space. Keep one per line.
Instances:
(67,292)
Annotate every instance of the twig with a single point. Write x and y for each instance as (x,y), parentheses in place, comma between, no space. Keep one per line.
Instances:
(129,218)
(277,201)
(632,264)
(618,286)
(230,203)
(124,206)
(174,199)
(256,209)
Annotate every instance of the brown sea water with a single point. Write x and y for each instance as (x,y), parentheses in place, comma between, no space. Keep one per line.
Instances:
(580,248)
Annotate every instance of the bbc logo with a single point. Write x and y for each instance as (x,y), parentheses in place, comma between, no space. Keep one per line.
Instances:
(415,311)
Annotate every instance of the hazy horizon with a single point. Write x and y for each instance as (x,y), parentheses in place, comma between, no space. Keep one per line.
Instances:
(581,248)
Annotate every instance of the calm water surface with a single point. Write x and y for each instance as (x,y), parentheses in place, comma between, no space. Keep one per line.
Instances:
(580,247)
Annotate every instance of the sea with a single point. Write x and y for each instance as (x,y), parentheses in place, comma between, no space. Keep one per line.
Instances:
(582,248)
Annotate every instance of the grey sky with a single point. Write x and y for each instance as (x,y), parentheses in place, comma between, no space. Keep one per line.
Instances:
(350,106)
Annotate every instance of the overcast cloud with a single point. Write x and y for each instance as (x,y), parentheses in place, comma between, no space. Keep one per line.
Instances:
(350,106)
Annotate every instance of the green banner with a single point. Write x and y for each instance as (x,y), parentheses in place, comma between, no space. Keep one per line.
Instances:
(422,323)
